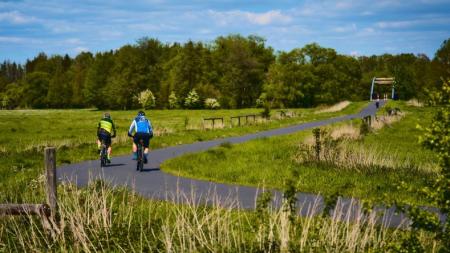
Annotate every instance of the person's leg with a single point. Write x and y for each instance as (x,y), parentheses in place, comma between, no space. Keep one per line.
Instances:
(134,148)
(146,147)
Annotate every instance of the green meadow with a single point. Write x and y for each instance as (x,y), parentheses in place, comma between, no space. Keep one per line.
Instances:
(25,133)
(370,167)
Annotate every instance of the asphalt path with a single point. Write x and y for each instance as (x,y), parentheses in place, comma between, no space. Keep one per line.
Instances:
(156,184)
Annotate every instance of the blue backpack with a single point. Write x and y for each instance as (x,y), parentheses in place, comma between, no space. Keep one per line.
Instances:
(143,126)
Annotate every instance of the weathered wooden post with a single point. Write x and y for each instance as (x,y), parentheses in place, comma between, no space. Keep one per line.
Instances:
(317,147)
(50,168)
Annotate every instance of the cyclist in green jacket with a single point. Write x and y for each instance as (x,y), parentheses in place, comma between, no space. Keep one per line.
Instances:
(105,131)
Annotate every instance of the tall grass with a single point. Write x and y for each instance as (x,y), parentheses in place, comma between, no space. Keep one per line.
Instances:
(341,149)
(334,108)
(103,219)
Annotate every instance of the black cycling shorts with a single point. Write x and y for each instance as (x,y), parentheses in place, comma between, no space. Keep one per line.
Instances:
(142,136)
(105,137)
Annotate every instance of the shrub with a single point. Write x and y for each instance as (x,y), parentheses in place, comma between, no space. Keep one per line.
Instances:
(192,100)
(212,103)
(261,100)
(364,128)
(173,100)
(146,99)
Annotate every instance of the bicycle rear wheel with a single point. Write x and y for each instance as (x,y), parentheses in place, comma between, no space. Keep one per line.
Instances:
(140,158)
(103,156)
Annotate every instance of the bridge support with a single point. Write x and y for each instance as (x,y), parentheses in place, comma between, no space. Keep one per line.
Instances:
(383,81)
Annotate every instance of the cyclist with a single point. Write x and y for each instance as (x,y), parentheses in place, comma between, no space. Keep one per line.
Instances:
(105,131)
(142,129)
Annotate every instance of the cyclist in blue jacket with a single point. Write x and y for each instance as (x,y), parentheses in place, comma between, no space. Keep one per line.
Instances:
(142,129)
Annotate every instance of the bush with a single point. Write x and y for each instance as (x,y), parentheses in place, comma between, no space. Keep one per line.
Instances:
(364,128)
(173,100)
(192,100)
(261,100)
(212,103)
(146,99)
(266,112)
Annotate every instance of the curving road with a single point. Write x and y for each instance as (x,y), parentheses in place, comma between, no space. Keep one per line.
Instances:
(156,184)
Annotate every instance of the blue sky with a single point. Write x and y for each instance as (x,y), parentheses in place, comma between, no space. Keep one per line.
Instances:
(351,27)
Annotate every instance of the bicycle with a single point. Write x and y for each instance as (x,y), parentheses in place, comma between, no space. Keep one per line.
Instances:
(140,156)
(103,155)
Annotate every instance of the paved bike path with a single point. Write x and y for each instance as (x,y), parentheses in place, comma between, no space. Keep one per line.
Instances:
(157,184)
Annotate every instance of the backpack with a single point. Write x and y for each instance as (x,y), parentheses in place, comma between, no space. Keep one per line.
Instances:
(143,126)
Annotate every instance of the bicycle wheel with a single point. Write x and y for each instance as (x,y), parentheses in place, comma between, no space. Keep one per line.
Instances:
(141,156)
(139,160)
(103,156)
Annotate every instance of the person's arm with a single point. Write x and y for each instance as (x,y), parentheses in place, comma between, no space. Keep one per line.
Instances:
(130,131)
(113,129)
(98,128)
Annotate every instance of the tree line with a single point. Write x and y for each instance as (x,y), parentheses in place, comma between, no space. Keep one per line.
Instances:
(233,71)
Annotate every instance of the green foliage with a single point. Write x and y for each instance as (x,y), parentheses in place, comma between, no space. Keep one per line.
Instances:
(146,99)
(192,101)
(266,111)
(36,85)
(261,100)
(364,127)
(436,138)
(173,100)
(238,71)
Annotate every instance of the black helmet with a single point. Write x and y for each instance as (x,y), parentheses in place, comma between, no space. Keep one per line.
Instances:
(141,113)
(107,115)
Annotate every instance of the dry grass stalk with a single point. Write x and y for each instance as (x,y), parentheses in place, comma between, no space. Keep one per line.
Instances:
(334,108)
(88,224)
(414,102)
(385,120)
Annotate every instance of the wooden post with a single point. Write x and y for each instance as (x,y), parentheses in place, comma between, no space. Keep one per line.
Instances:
(317,147)
(50,167)
(25,209)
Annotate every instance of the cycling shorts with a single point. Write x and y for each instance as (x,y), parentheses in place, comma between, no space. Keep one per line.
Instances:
(142,136)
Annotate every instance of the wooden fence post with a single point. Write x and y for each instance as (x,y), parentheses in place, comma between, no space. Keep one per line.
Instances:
(50,167)
(317,147)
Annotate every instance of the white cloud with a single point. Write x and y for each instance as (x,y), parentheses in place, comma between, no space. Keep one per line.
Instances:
(15,17)
(73,41)
(344,4)
(396,24)
(11,39)
(81,49)
(204,31)
(411,23)
(345,29)
(60,26)
(265,18)
(21,40)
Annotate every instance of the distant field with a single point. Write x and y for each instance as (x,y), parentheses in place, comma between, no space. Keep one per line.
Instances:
(270,162)
(24,134)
